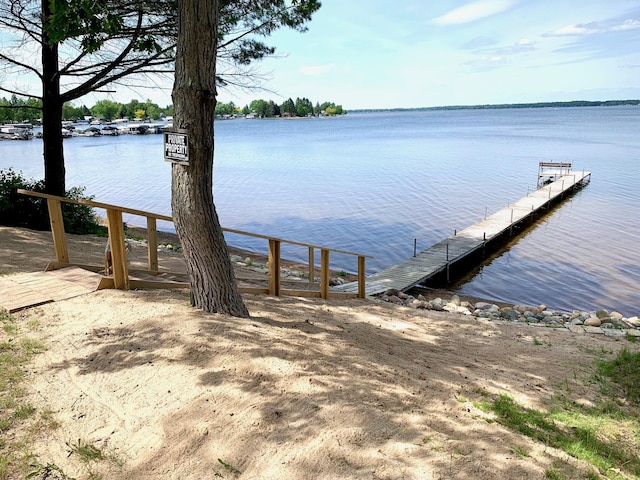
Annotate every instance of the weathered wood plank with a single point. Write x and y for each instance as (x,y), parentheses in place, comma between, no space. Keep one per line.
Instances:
(31,289)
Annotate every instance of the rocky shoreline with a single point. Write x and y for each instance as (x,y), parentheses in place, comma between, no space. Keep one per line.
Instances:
(612,324)
(602,322)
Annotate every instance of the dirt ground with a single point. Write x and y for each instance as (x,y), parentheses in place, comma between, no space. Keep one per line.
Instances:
(305,389)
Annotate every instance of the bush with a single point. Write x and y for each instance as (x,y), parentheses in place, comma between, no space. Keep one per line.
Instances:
(31,212)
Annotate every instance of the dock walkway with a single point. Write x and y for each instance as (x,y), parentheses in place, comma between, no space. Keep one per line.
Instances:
(439,257)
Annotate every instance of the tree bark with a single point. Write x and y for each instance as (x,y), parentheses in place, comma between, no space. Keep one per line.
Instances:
(54,171)
(213,283)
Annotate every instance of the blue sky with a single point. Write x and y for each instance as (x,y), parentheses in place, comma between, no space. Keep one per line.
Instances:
(414,53)
(417,53)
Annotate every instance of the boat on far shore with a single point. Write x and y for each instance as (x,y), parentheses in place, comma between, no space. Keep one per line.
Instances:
(16,131)
(110,130)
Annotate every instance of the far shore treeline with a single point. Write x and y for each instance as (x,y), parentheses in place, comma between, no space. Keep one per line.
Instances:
(572,103)
(17,110)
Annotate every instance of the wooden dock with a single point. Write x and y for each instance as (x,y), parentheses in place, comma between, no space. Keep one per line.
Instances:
(464,245)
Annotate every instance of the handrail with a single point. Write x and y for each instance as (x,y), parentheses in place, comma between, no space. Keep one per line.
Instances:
(120,268)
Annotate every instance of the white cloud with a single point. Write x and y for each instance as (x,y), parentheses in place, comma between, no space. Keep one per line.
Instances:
(525,42)
(474,11)
(313,70)
(581,29)
(571,30)
(627,25)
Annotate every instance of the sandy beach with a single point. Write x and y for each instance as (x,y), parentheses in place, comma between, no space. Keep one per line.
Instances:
(304,389)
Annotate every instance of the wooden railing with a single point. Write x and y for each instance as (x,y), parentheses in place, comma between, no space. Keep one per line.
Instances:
(122,280)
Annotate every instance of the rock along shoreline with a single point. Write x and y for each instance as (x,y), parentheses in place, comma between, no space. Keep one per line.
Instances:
(602,322)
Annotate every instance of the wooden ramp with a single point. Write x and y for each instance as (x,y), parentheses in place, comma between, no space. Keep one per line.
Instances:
(30,289)
(439,257)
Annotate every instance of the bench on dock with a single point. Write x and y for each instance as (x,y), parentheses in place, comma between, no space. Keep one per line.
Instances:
(553,170)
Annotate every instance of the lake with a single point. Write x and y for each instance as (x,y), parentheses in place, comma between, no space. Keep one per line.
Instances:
(373,182)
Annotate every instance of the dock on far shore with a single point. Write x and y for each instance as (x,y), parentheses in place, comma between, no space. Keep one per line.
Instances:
(471,243)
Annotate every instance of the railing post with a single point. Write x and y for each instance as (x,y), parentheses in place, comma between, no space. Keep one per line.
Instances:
(152,244)
(57,230)
(361,277)
(118,251)
(274,267)
(324,273)
(312,265)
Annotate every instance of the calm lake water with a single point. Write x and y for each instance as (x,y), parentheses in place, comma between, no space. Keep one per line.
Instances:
(373,182)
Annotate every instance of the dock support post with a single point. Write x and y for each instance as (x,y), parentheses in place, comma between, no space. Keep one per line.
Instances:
(511,224)
(415,246)
(447,263)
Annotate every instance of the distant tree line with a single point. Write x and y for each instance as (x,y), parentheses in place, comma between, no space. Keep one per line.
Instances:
(302,107)
(16,110)
(110,110)
(573,103)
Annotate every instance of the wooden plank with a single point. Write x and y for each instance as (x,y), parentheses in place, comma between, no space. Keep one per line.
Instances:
(274,267)
(312,264)
(152,244)
(91,203)
(57,230)
(30,289)
(324,273)
(142,284)
(361,277)
(118,252)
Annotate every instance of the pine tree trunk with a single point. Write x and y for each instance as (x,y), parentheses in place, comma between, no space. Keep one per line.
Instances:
(213,284)
(54,171)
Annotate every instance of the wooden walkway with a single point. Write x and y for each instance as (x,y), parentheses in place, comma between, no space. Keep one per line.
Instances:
(438,258)
(30,289)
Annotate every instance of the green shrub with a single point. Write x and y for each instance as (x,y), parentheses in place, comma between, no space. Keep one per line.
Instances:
(18,210)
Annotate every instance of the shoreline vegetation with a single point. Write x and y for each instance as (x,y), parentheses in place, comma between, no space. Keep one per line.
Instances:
(572,103)
(15,110)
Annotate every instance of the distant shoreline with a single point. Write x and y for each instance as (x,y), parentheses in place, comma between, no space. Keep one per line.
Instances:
(573,103)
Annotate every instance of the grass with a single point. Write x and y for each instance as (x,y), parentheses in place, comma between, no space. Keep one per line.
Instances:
(605,435)
(624,373)
(228,469)
(85,451)
(19,420)
(15,352)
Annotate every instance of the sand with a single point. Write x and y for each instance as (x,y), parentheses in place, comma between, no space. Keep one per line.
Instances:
(305,389)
